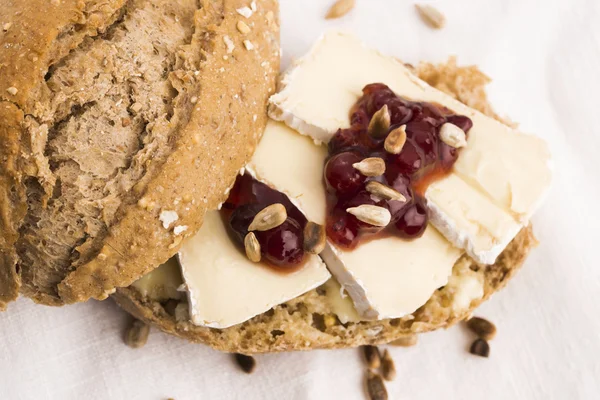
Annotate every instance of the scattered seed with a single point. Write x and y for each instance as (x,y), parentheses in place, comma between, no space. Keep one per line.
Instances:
(137,334)
(229,43)
(246,363)
(480,348)
(383,191)
(268,218)
(125,122)
(245,12)
(482,328)
(372,166)
(375,386)
(453,136)
(12,90)
(6,26)
(248,45)
(394,142)
(388,369)
(405,341)
(372,356)
(340,8)
(431,16)
(374,215)
(380,123)
(314,238)
(252,247)
(243,27)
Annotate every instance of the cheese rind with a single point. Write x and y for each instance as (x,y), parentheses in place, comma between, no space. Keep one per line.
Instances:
(392,277)
(509,169)
(226,289)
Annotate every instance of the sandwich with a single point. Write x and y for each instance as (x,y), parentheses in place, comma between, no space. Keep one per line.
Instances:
(148,158)
(382,201)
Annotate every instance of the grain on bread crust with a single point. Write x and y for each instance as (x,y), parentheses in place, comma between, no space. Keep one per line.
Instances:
(299,323)
(129,110)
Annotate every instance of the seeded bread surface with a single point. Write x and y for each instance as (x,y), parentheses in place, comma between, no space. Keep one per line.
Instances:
(119,121)
(305,323)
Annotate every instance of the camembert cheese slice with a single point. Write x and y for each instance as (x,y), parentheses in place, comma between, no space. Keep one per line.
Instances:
(225,288)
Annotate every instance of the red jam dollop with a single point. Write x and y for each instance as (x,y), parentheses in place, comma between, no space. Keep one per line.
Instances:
(423,159)
(281,247)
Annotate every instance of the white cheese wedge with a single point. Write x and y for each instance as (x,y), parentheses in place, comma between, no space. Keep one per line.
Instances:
(509,169)
(226,289)
(292,164)
(392,277)
(385,278)
(161,283)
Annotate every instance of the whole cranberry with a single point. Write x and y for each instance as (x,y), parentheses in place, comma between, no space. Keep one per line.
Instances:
(283,246)
(410,159)
(461,121)
(240,220)
(341,177)
(342,228)
(413,222)
(423,134)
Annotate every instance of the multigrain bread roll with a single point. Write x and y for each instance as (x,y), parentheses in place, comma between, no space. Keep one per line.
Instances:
(310,321)
(121,123)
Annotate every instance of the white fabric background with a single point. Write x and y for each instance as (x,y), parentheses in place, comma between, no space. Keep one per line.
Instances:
(544,57)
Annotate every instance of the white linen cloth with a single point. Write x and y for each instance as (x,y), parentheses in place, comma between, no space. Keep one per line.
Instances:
(544,57)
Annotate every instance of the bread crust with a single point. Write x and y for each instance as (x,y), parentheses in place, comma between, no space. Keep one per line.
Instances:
(225,99)
(298,324)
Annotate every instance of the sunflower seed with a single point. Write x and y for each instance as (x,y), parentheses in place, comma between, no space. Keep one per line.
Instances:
(252,247)
(388,369)
(372,356)
(246,363)
(137,334)
(394,142)
(452,135)
(431,15)
(340,8)
(380,123)
(482,328)
(373,215)
(383,191)
(314,238)
(268,218)
(375,386)
(405,341)
(372,166)
(480,348)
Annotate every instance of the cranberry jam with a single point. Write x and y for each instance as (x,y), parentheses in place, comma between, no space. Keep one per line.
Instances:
(423,158)
(282,246)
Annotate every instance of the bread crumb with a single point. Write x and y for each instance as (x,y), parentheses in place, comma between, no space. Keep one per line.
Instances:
(12,90)
(229,44)
(167,217)
(246,12)
(253,6)
(248,45)
(179,229)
